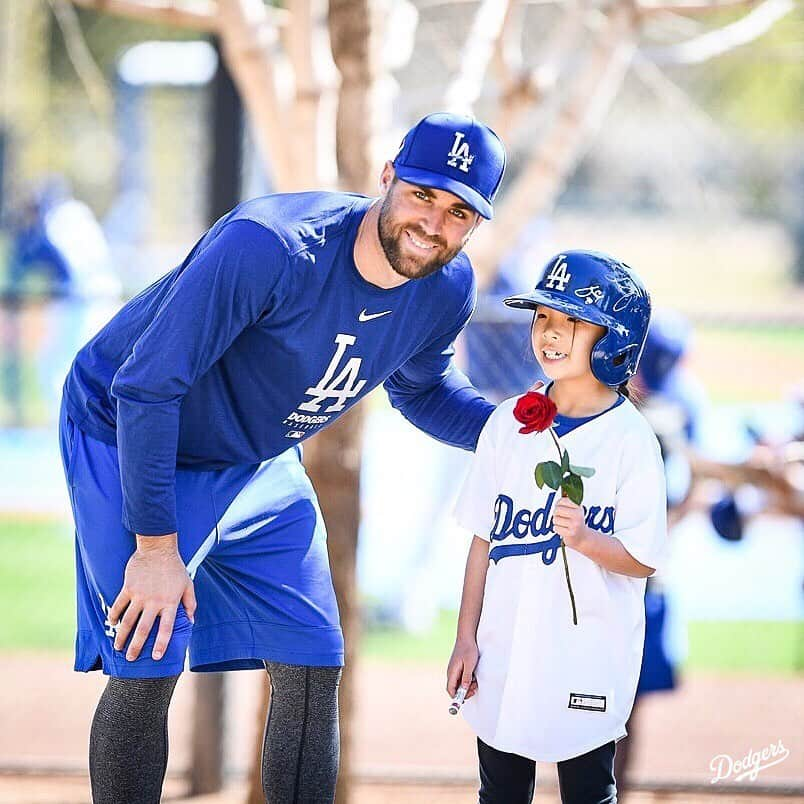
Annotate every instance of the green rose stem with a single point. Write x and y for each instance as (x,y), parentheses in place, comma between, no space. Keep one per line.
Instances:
(563,548)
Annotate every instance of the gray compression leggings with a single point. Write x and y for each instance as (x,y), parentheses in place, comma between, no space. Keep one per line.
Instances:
(128,744)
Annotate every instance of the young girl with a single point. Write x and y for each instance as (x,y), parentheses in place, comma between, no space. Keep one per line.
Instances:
(540,686)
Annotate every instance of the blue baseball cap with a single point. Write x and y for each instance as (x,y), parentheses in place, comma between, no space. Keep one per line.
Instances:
(455,153)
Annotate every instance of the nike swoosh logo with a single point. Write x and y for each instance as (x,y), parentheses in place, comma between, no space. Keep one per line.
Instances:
(364,316)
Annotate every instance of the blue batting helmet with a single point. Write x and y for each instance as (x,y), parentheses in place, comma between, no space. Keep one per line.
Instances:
(602,290)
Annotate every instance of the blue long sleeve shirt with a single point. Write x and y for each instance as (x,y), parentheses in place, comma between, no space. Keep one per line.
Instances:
(265,334)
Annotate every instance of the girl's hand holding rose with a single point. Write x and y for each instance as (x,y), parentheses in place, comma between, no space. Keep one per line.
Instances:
(569,523)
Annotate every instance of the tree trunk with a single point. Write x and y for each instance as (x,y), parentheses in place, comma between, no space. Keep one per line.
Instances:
(587,97)
(301,38)
(255,794)
(353,31)
(332,459)
(206,768)
(223,192)
(249,35)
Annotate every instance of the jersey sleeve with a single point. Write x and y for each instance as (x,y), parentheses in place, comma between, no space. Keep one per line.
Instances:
(434,395)
(641,504)
(474,509)
(226,286)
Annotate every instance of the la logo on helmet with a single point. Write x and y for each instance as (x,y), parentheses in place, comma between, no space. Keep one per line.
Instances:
(559,276)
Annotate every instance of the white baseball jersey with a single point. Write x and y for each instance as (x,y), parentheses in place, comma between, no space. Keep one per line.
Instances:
(547,689)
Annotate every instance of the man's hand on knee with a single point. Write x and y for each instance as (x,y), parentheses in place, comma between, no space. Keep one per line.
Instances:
(155,582)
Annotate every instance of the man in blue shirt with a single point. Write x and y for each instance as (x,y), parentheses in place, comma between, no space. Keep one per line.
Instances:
(180,433)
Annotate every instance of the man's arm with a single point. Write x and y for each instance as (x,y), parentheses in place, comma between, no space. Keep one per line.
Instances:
(225,288)
(435,396)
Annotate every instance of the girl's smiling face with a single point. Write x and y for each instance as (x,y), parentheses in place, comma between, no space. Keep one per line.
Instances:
(563,344)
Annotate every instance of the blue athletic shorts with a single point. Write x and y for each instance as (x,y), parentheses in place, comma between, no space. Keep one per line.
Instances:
(254,542)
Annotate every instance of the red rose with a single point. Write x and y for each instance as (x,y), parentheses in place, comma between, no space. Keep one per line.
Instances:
(535,411)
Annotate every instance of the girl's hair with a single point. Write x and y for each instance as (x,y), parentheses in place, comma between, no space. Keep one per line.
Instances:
(630,390)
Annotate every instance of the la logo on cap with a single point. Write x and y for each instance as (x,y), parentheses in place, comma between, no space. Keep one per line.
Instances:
(459,156)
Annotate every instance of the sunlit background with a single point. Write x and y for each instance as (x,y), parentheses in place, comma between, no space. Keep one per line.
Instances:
(690,169)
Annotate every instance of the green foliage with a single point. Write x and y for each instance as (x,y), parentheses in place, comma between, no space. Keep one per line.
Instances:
(565,477)
(754,646)
(582,471)
(572,486)
(761,647)
(107,36)
(552,474)
(758,86)
(37,594)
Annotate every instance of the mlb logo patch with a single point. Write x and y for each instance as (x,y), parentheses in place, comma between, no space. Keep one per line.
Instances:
(591,703)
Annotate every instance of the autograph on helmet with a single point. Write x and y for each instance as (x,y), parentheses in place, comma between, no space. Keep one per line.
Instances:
(590,295)
(626,286)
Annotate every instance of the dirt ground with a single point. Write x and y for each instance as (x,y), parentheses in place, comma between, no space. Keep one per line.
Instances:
(64,791)
(406,743)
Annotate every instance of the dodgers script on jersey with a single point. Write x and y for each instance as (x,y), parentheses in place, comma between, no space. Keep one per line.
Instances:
(547,689)
(266,333)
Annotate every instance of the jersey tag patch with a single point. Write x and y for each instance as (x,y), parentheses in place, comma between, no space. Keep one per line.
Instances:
(592,703)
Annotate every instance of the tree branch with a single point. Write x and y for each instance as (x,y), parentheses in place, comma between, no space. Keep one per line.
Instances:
(507,59)
(355,28)
(90,75)
(300,36)
(201,16)
(677,99)
(249,36)
(690,7)
(466,86)
(714,43)
(530,86)
(589,94)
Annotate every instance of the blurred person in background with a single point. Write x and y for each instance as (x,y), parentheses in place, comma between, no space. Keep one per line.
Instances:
(676,405)
(672,401)
(60,265)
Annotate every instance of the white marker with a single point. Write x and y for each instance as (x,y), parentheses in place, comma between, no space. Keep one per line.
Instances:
(457,701)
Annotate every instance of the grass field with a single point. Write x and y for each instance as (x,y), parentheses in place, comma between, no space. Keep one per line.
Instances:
(739,646)
(36,595)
